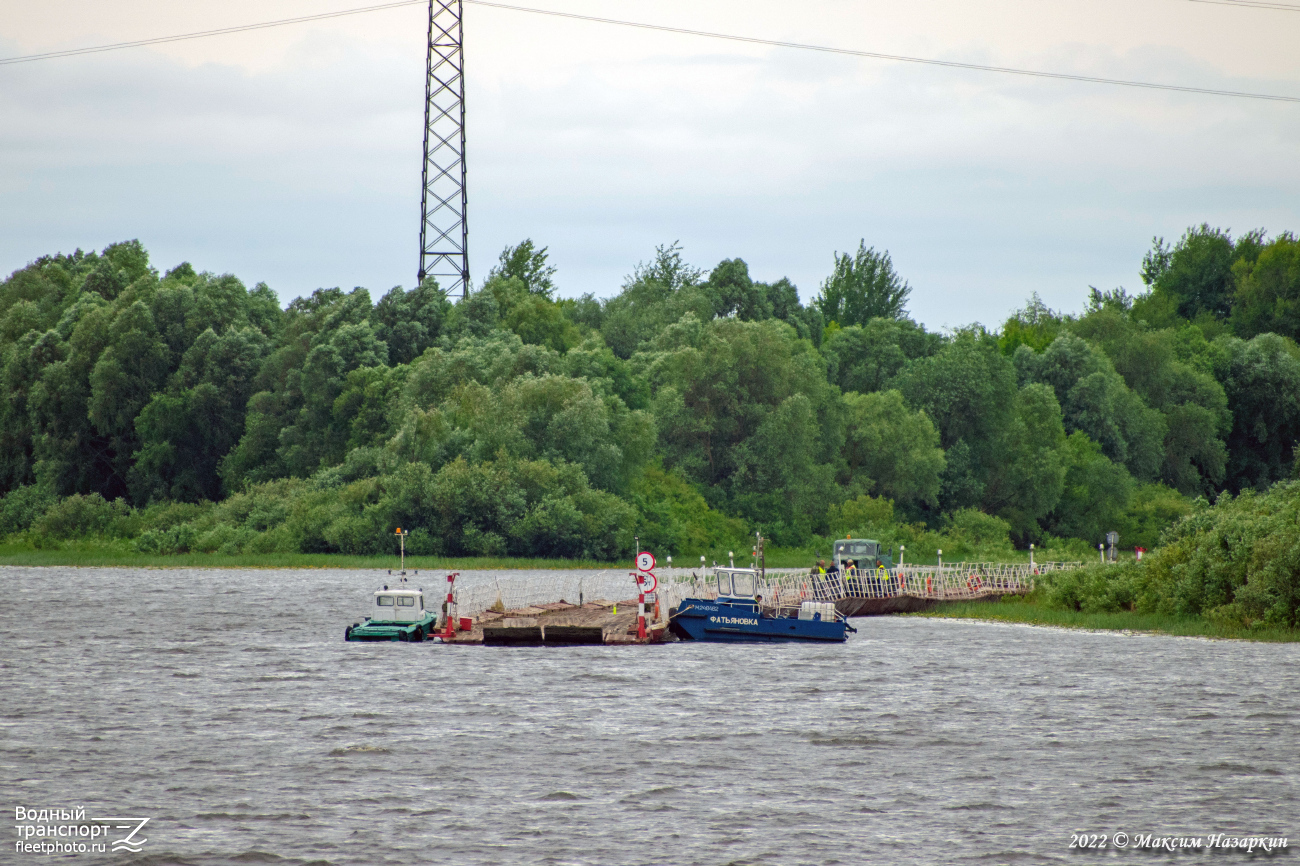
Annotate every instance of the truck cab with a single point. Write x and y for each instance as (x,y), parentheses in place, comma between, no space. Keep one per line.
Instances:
(866,552)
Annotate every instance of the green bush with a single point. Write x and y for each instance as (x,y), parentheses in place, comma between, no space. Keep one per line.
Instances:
(80,516)
(178,539)
(1237,564)
(866,514)
(22,507)
(980,530)
(1094,588)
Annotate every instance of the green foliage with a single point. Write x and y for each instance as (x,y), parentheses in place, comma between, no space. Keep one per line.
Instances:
(527,264)
(1036,326)
(410,322)
(1151,510)
(1095,494)
(744,410)
(23,506)
(1262,380)
(1236,563)
(860,516)
(183,413)
(1001,443)
(1197,273)
(673,516)
(892,451)
(1267,296)
(867,357)
(980,530)
(1095,400)
(862,286)
(1096,588)
(78,516)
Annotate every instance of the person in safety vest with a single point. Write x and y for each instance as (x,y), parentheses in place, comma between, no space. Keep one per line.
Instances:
(851,576)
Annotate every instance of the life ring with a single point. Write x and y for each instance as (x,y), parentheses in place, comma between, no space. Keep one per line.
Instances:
(973,583)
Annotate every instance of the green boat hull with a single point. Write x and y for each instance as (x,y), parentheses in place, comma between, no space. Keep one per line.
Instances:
(373,630)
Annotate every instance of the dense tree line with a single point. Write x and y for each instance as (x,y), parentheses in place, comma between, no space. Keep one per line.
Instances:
(186,411)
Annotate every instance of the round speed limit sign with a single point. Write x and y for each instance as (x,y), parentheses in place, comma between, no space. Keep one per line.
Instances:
(645,562)
(649,583)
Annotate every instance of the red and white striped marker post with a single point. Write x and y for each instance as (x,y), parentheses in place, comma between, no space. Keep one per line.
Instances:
(640,616)
(645,563)
(449,633)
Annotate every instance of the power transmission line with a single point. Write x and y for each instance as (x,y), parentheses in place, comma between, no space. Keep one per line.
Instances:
(221,31)
(952,64)
(775,43)
(1254,4)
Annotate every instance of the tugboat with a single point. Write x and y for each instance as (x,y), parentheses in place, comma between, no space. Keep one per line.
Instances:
(737,615)
(401,616)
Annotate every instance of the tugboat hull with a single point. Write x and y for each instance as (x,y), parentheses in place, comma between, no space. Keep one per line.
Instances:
(373,630)
(723,621)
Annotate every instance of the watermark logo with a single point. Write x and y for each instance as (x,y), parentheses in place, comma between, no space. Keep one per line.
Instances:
(1159,842)
(69,831)
(129,842)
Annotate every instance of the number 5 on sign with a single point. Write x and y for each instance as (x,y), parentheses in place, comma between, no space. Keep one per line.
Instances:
(645,562)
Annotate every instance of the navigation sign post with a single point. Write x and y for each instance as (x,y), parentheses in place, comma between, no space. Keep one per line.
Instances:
(647,583)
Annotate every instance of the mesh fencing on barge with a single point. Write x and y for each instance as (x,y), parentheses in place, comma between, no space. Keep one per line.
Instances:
(781,587)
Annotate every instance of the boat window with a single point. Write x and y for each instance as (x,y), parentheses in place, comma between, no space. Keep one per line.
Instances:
(724,583)
(421,602)
(745,585)
(405,601)
(384,601)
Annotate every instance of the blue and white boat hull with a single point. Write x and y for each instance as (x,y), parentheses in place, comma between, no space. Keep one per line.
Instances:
(728,619)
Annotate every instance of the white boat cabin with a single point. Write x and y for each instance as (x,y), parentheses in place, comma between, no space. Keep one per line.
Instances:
(398,605)
(736,582)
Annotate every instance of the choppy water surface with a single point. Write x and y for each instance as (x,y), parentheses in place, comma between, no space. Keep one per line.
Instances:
(226,706)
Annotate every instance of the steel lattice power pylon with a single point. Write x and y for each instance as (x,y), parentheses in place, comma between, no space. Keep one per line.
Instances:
(444,234)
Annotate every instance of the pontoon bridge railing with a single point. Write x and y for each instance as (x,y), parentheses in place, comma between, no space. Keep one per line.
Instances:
(780,587)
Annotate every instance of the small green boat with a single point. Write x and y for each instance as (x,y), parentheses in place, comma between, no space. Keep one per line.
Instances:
(400,616)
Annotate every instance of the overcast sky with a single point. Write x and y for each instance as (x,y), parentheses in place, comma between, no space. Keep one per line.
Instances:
(292,155)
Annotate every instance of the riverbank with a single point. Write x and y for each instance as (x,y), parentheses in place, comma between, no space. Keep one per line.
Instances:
(109,554)
(122,554)
(1031,612)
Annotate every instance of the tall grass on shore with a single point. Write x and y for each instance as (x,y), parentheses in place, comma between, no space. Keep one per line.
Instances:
(1032,612)
(122,554)
(90,555)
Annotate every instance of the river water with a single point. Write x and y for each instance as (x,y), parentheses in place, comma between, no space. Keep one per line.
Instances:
(226,707)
